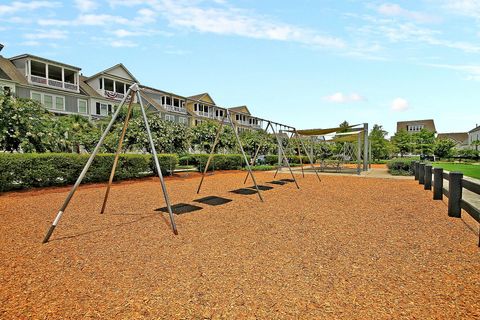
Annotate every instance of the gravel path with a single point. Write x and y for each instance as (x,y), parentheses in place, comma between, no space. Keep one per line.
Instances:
(345,248)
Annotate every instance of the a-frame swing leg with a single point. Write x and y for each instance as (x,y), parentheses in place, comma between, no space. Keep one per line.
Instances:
(285,157)
(308,155)
(299,154)
(85,169)
(244,155)
(117,153)
(157,164)
(215,142)
(253,161)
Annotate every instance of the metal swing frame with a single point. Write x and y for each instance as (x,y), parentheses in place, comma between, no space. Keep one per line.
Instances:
(133,91)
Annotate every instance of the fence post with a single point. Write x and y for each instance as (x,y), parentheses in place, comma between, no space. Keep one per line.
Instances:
(421,173)
(428,177)
(437,183)
(455,194)
(416,165)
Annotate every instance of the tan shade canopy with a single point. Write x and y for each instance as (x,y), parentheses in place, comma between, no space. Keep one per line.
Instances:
(321,132)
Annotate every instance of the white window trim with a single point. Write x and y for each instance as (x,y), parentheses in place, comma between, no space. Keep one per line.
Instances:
(170,117)
(54,100)
(86,106)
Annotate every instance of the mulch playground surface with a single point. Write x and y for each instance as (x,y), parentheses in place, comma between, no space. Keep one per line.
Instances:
(345,248)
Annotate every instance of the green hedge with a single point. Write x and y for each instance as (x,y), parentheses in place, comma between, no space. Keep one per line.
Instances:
(273,159)
(21,171)
(219,161)
(401,166)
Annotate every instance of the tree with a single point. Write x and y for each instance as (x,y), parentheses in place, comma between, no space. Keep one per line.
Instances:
(443,148)
(203,137)
(344,126)
(402,142)
(25,125)
(424,142)
(380,145)
(252,139)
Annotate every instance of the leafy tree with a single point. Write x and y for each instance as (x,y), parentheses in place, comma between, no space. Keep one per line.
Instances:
(25,125)
(203,137)
(379,144)
(344,126)
(476,144)
(402,142)
(424,141)
(443,148)
(251,140)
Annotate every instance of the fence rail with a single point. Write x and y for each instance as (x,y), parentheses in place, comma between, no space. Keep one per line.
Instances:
(456,183)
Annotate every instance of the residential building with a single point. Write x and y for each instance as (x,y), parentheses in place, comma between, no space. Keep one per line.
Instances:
(52,83)
(474,135)
(171,107)
(63,89)
(202,107)
(414,126)
(244,119)
(460,138)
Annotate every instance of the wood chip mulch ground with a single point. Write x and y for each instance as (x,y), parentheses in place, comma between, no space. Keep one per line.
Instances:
(345,248)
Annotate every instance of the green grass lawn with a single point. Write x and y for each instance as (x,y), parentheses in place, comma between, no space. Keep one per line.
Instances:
(468,169)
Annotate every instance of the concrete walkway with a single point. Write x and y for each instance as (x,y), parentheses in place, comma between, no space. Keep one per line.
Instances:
(380,173)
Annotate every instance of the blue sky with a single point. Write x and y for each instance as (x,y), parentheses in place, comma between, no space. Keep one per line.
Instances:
(304,63)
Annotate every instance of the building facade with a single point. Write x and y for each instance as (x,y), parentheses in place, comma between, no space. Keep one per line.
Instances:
(414,126)
(63,89)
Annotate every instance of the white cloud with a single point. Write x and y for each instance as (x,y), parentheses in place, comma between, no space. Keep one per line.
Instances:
(46,34)
(86,5)
(469,8)
(472,71)
(144,16)
(238,22)
(340,97)
(123,44)
(400,104)
(22,6)
(394,10)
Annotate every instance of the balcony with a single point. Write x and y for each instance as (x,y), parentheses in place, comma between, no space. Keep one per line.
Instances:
(205,114)
(53,83)
(174,108)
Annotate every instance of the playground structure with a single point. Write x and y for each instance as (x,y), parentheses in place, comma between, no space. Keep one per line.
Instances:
(354,147)
(135,92)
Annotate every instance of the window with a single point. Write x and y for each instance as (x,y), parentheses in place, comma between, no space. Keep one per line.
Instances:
(69,76)
(38,69)
(36,96)
(101,83)
(182,120)
(54,72)
(59,103)
(169,117)
(119,87)
(7,91)
(108,84)
(82,106)
(48,101)
(176,102)
(102,108)
(168,101)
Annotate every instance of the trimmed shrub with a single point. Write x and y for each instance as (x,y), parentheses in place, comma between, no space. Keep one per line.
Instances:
(21,171)
(219,161)
(401,166)
(263,167)
(273,159)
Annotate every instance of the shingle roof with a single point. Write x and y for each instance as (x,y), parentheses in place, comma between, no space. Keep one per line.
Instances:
(460,137)
(240,109)
(428,124)
(11,72)
(113,67)
(46,60)
(200,96)
(89,91)
(474,129)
